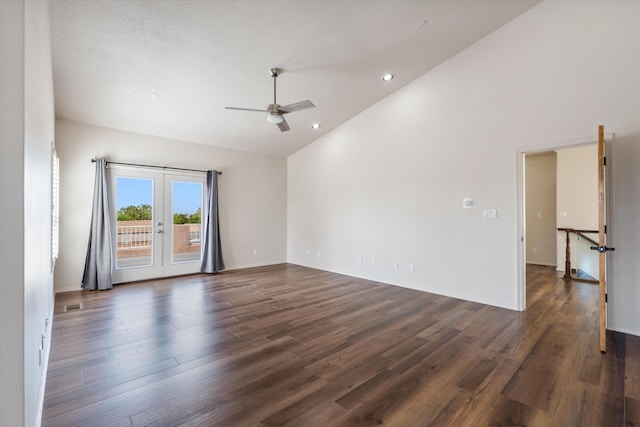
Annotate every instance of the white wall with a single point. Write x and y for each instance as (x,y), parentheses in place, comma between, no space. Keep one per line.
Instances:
(540,214)
(252,193)
(623,226)
(389,183)
(577,204)
(12,213)
(26,132)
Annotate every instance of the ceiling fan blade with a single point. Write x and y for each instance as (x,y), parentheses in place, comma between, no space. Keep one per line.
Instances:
(245,109)
(302,105)
(283,125)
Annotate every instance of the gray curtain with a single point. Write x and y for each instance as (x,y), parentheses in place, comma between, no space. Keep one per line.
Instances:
(97,265)
(212,255)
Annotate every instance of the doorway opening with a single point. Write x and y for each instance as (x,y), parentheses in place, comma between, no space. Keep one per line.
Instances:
(540,215)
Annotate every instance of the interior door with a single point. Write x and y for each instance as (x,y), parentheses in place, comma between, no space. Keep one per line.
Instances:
(156,223)
(602,239)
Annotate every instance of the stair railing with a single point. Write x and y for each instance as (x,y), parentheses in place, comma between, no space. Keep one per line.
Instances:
(568,272)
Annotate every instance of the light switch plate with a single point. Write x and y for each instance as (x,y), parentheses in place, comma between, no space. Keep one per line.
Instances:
(490,213)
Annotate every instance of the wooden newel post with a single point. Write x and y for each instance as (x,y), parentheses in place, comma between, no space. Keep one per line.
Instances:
(567,260)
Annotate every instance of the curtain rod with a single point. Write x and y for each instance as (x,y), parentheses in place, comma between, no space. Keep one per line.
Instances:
(155,167)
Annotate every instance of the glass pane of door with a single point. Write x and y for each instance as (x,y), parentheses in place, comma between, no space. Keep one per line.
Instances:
(186,213)
(134,222)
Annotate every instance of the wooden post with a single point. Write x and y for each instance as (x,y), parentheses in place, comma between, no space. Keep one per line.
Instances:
(567,260)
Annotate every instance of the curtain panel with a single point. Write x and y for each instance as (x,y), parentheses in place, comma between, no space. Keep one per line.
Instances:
(98,262)
(212,255)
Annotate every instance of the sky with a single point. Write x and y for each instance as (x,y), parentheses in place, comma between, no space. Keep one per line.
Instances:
(187,196)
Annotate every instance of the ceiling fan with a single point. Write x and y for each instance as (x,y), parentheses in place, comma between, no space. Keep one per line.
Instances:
(275,112)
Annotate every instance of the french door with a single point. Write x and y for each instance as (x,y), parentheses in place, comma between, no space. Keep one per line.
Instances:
(156,223)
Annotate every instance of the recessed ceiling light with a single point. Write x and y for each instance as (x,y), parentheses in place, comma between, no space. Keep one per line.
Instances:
(387,77)
(316,126)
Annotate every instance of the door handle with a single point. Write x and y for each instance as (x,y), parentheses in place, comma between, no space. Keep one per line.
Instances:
(602,249)
(159,231)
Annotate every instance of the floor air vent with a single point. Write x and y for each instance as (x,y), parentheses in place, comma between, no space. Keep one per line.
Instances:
(72,307)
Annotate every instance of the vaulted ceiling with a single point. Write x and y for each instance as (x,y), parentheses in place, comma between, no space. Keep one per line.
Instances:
(169,67)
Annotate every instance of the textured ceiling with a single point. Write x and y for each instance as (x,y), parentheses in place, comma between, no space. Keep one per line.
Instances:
(110,58)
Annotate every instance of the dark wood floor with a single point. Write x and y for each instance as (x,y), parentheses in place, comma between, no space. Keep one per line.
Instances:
(288,345)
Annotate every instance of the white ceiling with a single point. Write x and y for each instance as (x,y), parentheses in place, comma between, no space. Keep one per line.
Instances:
(111,56)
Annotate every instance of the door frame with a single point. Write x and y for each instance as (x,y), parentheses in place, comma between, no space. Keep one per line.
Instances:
(162,264)
(521,283)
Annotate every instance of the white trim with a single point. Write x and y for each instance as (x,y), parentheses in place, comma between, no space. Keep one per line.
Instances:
(625,331)
(520,233)
(560,145)
(546,264)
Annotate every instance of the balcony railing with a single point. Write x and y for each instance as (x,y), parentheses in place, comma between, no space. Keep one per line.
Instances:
(135,236)
(141,236)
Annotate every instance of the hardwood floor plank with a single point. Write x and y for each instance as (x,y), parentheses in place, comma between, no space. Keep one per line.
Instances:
(303,407)
(442,409)
(261,398)
(230,400)
(422,352)
(541,378)
(631,412)
(632,368)
(505,412)
(357,394)
(475,374)
(290,345)
(612,382)
(413,391)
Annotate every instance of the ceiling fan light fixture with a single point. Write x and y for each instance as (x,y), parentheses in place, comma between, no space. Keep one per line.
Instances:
(274,118)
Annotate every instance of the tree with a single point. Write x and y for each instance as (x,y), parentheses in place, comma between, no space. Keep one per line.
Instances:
(135,213)
(195,218)
(180,218)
